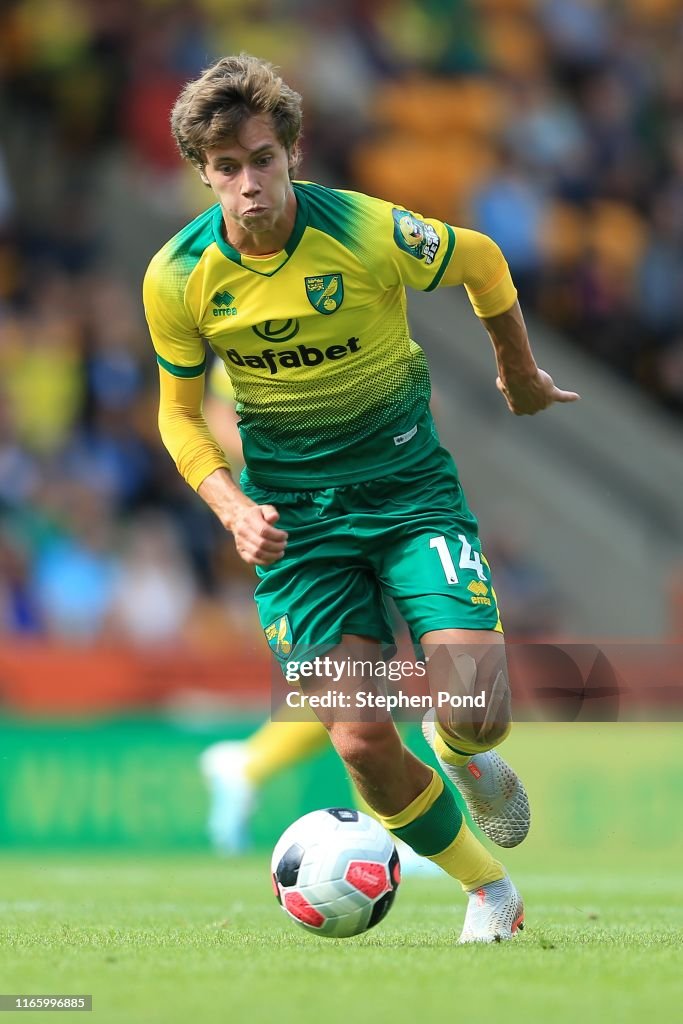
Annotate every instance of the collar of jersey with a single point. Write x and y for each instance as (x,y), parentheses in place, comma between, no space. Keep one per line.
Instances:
(300,223)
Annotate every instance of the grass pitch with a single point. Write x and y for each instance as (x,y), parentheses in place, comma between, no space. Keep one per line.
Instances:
(199,939)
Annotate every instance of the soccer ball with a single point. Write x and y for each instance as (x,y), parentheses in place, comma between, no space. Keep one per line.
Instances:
(335,872)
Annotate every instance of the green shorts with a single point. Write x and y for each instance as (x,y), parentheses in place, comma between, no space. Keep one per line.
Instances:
(409,536)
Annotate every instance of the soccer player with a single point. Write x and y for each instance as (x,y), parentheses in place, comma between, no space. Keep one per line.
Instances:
(235,770)
(347,495)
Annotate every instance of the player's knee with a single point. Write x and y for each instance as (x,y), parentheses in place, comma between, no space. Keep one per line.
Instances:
(480,715)
(473,734)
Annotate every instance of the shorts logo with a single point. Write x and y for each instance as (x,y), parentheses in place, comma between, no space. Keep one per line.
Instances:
(415,236)
(325,293)
(279,636)
(479,591)
(408,436)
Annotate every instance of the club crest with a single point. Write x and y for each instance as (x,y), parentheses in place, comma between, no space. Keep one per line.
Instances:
(279,636)
(325,293)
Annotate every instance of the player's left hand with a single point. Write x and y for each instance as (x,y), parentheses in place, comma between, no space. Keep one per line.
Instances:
(531,395)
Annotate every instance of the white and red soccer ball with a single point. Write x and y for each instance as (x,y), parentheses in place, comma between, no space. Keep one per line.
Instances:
(335,872)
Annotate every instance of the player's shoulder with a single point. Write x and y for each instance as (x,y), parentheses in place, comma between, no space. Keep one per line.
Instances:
(356,220)
(183,251)
(327,205)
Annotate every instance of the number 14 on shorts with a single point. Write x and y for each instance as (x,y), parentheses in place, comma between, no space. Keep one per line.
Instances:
(469,559)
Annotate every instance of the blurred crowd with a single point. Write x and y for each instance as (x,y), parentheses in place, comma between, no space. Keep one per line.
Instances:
(555,126)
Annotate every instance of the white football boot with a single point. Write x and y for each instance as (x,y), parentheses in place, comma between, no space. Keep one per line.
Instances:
(495,796)
(231,795)
(495,912)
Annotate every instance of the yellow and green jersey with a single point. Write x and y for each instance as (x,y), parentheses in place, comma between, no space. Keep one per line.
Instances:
(329,386)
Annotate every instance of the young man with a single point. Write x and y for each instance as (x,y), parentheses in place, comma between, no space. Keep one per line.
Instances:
(347,495)
(235,770)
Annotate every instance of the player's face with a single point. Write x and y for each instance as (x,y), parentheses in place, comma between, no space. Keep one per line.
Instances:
(250,177)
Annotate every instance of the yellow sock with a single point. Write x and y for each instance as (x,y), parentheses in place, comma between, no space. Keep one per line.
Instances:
(278,745)
(458,752)
(433,825)
(445,752)
(468,861)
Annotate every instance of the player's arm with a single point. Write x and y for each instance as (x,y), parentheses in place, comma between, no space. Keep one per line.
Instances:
(184,431)
(257,539)
(478,263)
(526,387)
(201,462)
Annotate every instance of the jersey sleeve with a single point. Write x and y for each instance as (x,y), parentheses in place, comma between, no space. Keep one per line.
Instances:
(182,361)
(178,345)
(414,250)
(425,253)
(184,430)
(478,263)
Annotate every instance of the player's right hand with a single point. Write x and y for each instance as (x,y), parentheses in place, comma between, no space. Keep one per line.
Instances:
(257,539)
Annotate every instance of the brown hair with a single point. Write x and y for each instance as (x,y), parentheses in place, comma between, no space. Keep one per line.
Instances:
(212,108)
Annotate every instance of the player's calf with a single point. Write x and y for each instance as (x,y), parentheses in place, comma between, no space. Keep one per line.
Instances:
(386,774)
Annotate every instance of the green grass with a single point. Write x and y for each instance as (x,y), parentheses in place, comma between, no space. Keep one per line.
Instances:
(183,941)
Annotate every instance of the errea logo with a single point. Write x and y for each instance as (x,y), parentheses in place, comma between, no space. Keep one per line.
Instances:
(223,304)
(479,591)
